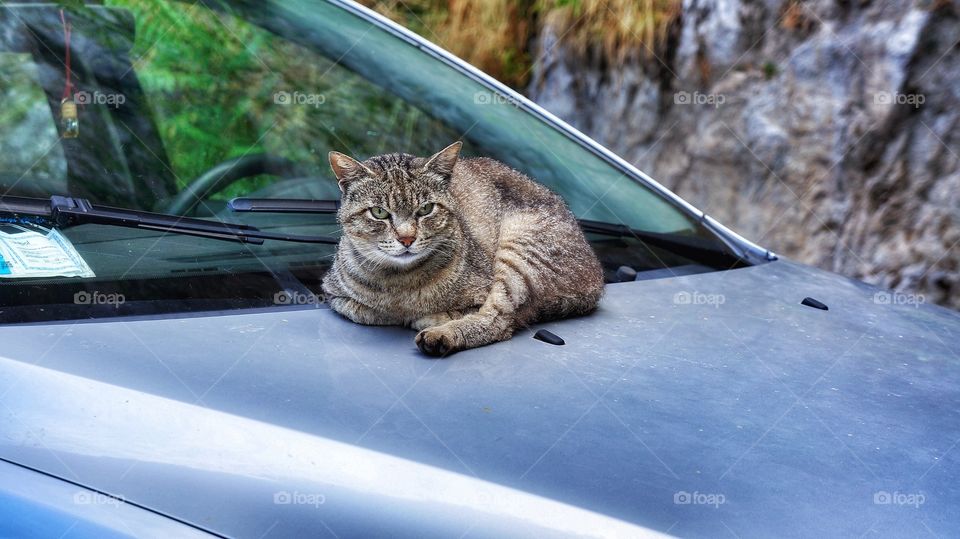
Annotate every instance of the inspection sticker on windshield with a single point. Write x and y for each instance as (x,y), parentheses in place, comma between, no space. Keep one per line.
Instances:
(36,251)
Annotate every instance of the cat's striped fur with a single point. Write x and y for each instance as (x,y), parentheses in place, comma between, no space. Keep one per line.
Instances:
(496,252)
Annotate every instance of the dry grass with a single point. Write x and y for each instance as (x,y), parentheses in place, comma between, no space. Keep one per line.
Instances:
(495,35)
(490,34)
(796,18)
(617,27)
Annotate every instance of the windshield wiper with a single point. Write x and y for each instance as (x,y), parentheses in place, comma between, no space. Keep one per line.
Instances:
(283,205)
(691,247)
(688,246)
(64,212)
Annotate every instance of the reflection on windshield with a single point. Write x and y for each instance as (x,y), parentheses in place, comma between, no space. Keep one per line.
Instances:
(203,102)
(29,136)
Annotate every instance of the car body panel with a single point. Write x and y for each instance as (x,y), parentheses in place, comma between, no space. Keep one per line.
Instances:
(718,389)
(33,504)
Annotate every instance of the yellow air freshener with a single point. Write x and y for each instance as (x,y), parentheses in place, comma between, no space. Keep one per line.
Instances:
(69,120)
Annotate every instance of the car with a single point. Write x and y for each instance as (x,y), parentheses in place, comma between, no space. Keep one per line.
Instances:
(169,368)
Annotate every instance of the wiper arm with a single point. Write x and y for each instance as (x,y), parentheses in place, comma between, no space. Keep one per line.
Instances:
(690,247)
(64,212)
(283,205)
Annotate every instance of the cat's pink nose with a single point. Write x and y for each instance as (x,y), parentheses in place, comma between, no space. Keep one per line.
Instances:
(406,240)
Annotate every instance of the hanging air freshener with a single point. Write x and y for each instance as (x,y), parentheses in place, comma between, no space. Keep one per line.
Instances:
(69,120)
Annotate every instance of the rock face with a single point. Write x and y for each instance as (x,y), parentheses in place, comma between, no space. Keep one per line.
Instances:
(826,131)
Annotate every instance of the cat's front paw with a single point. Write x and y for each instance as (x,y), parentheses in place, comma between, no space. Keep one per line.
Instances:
(437,341)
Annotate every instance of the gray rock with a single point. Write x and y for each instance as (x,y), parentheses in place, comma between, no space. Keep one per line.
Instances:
(833,140)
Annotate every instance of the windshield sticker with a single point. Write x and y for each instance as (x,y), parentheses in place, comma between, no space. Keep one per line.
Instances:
(34,251)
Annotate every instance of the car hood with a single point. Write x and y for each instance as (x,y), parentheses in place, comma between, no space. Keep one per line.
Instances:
(687,405)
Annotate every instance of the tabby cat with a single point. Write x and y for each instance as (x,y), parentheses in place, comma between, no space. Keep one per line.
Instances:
(465,251)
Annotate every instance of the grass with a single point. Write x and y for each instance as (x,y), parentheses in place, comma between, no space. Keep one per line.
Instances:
(615,27)
(495,35)
(795,17)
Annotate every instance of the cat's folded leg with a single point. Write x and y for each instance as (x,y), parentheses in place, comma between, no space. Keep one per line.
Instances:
(470,331)
(437,319)
(360,313)
(495,321)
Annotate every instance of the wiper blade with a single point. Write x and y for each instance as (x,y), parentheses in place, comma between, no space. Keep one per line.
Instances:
(688,246)
(64,212)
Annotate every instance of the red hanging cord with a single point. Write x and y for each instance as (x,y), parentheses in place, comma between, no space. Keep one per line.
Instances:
(68,85)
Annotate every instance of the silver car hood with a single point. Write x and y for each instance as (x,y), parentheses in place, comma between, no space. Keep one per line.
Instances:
(684,406)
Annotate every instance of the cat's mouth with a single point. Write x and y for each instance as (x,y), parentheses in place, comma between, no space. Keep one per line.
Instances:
(405,257)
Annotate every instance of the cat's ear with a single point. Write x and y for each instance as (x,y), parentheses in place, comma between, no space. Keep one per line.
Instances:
(443,161)
(346,168)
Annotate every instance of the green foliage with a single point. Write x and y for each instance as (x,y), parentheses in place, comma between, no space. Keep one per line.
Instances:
(30,155)
(70,4)
(212,82)
(193,105)
(575,5)
(770,70)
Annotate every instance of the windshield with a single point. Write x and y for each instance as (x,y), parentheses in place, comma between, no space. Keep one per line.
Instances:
(182,106)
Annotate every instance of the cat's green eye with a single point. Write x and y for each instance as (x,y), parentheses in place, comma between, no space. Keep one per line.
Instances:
(426,209)
(379,212)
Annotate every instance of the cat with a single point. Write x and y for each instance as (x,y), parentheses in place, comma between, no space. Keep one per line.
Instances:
(465,251)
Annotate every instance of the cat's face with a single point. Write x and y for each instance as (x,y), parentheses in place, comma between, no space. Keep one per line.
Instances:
(395,208)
